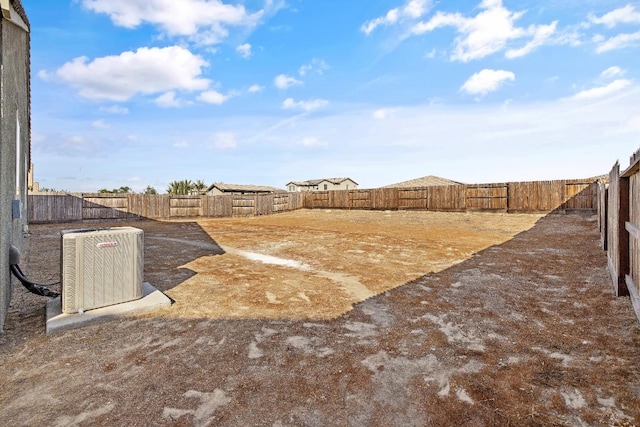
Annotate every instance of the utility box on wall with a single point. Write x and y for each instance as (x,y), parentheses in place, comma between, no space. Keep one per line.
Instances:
(101,267)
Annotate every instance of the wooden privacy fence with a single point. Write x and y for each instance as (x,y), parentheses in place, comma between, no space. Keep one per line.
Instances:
(79,207)
(619,213)
(543,196)
(538,196)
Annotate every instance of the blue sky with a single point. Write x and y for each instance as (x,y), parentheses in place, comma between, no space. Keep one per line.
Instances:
(145,92)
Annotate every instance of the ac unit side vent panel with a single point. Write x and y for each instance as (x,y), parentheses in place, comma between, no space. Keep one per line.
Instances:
(101,267)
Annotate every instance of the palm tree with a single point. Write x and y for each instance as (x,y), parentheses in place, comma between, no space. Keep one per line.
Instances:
(199,186)
(180,187)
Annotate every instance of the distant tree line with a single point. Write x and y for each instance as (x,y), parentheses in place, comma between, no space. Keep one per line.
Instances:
(181,187)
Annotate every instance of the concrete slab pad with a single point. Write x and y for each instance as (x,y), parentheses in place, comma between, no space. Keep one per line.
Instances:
(57,321)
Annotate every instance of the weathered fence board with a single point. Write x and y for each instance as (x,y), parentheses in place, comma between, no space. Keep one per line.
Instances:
(486,197)
(280,202)
(243,205)
(96,207)
(412,198)
(447,198)
(603,201)
(617,236)
(384,198)
(185,206)
(264,204)
(54,208)
(632,226)
(217,206)
(316,199)
(359,199)
(580,195)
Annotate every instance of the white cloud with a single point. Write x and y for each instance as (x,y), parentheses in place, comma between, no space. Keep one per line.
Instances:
(205,21)
(313,104)
(541,36)
(282,81)
(310,142)
(45,75)
(612,72)
(115,109)
(413,9)
(225,140)
(620,41)
(317,65)
(244,50)
(255,88)
(623,15)
(181,144)
(213,97)
(488,32)
(382,113)
(603,91)
(145,71)
(485,81)
(100,124)
(169,100)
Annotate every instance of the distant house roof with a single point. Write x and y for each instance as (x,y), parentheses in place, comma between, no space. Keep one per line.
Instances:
(425,181)
(312,182)
(241,188)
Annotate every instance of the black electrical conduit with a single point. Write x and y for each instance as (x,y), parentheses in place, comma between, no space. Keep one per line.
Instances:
(42,290)
(32,287)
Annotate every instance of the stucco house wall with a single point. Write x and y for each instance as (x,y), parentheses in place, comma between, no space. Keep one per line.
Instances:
(14,139)
(324,184)
(346,184)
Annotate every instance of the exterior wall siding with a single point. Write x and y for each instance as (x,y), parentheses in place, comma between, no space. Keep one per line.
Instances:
(14,124)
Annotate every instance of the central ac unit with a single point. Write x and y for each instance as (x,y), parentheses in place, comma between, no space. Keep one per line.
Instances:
(101,267)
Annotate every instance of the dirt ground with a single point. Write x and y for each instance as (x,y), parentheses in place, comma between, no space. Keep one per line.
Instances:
(336,318)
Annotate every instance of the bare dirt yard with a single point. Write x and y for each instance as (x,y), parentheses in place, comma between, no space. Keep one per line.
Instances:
(339,318)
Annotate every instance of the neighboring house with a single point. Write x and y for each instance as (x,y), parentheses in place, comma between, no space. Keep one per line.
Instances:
(219,188)
(14,139)
(425,181)
(323,184)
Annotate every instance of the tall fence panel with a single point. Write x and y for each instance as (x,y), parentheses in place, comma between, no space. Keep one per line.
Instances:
(264,204)
(101,207)
(339,199)
(359,199)
(632,280)
(535,196)
(54,208)
(412,198)
(447,198)
(486,197)
(580,195)
(295,201)
(185,206)
(243,205)
(603,200)
(316,199)
(384,198)
(217,206)
(619,221)
(617,236)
